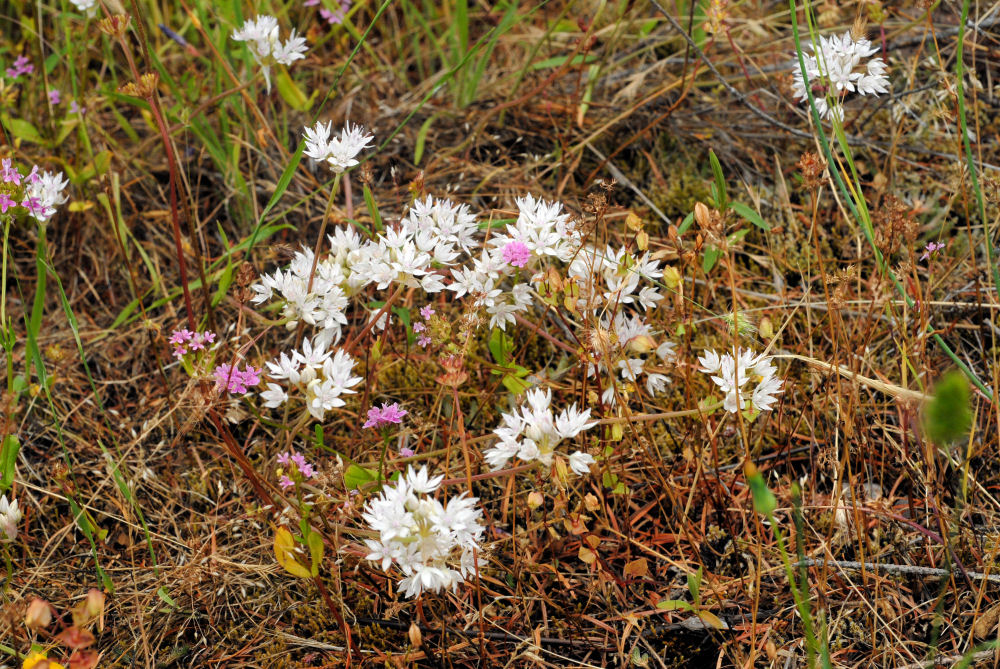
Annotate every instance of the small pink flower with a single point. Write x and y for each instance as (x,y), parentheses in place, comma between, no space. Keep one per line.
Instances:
(423,341)
(54,97)
(22,65)
(389,413)
(419,327)
(199,340)
(931,249)
(406,452)
(9,173)
(283,458)
(426,312)
(6,203)
(285,482)
(235,381)
(516,254)
(34,205)
(75,108)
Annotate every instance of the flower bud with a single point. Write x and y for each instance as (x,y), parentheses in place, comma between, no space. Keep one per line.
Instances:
(94,604)
(633,221)
(642,344)
(642,240)
(702,215)
(765,328)
(535,500)
(416,638)
(39,614)
(671,277)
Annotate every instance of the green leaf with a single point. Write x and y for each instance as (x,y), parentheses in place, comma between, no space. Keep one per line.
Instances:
(8,458)
(694,585)
(315,542)
(721,198)
(291,93)
(22,130)
(685,224)
(710,258)
(515,385)
(749,214)
(373,208)
(165,598)
(763,499)
(673,605)
(356,476)
(947,417)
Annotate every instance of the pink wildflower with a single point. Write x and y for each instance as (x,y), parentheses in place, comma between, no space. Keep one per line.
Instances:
(235,381)
(199,340)
(22,65)
(426,312)
(516,254)
(423,341)
(285,482)
(9,172)
(931,249)
(283,458)
(419,327)
(74,108)
(34,206)
(406,452)
(6,203)
(54,97)
(389,413)
(178,340)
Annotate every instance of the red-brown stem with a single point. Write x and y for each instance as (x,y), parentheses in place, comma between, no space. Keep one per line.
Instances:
(371,323)
(340,619)
(545,335)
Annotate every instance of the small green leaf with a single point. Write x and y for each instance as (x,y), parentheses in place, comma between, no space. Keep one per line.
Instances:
(673,605)
(22,130)
(165,598)
(721,198)
(763,499)
(749,214)
(356,476)
(372,208)
(315,542)
(711,257)
(290,92)
(947,417)
(8,458)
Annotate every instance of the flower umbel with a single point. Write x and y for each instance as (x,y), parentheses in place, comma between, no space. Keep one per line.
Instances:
(534,432)
(836,68)
(261,36)
(733,373)
(434,545)
(389,414)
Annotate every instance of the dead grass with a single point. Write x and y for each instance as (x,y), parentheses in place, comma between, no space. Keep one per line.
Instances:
(574,582)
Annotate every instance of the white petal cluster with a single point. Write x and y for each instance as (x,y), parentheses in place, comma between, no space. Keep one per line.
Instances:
(626,345)
(89,7)
(261,36)
(340,152)
(615,277)
(836,68)
(49,189)
(544,228)
(434,545)
(534,432)
(10,516)
(732,374)
(321,376)
(321,305)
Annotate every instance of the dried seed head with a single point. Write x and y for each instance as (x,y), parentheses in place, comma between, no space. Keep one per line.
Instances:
(115,26)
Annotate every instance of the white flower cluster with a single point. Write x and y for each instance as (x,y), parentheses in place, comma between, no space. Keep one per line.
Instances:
(89,7)
(433,234)
(609,277)
(732,374)
(626,344)
(10,516)
(836,68)
(542,231)
(341,152)
(434,545)
(534,433)
(320,375)
(261,36)
(47,192)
